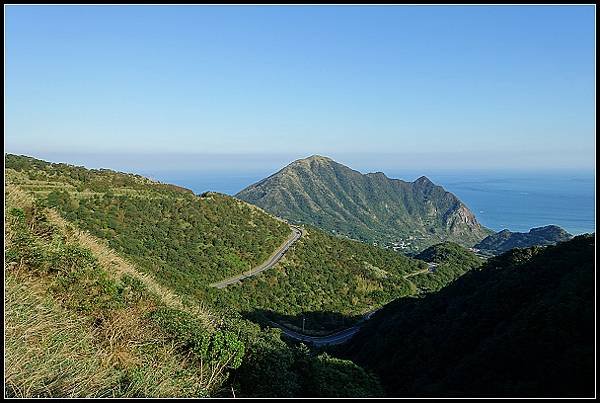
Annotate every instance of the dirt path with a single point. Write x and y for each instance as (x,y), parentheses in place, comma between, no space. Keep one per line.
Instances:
(116,264)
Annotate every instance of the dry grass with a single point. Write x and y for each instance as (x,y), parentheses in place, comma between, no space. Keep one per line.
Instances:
(15,196)
(366,286)
(375,271)
(50,351)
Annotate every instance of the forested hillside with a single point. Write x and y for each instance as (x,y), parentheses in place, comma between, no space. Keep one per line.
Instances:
(187,242)
(451,261)
(84,319)
(328,281)
(520,325)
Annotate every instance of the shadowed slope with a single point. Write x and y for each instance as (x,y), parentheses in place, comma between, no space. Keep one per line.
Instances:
(521,325)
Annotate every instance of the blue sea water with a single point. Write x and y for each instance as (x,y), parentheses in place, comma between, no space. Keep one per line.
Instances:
(517,201)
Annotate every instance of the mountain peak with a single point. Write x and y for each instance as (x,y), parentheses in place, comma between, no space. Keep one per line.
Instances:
(423,180)
(319,191)
(313,162)
(314,158)
(318,157)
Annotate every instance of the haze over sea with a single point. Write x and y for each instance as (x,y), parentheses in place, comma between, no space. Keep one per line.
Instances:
(515,200)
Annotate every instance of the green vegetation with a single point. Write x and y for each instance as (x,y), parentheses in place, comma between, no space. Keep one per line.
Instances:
(43,177)
(520,325)
(75,327)
(120,327)
(329,281)
(107,295)
(274,369)
(185,242)
(182,240)
(505,240)
(371,208)
(207,238)
(452,261)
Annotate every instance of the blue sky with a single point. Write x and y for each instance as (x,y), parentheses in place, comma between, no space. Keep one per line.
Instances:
(443,87)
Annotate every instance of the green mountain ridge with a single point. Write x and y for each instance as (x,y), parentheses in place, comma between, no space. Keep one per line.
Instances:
(369,207)
(187,241)
(451,261)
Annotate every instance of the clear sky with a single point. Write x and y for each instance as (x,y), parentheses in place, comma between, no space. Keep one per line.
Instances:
(456,87)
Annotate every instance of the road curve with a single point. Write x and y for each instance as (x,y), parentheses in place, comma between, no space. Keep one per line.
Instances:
(267,264)
(430,269)
(346,334)
(335,338)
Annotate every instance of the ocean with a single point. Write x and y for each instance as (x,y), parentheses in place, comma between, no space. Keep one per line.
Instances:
(514,200)
(519,201)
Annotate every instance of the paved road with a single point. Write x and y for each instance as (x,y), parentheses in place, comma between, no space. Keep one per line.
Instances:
(270,262)
(335,338)
(415,273)
(346,334)
(430,268)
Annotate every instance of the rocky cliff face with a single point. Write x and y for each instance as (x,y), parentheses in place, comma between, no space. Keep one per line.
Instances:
(369,207)
(461,219)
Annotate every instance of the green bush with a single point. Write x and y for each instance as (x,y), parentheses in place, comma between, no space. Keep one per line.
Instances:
(221,348)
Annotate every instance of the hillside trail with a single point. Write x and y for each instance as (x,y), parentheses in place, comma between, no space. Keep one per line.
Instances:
(114,264)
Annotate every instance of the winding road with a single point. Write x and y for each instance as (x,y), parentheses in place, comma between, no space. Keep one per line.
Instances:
(346,334)
(334,338)
(267,264)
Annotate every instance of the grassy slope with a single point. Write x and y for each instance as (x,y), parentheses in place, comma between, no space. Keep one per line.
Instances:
(77,325)
(122,332)
(183,240)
